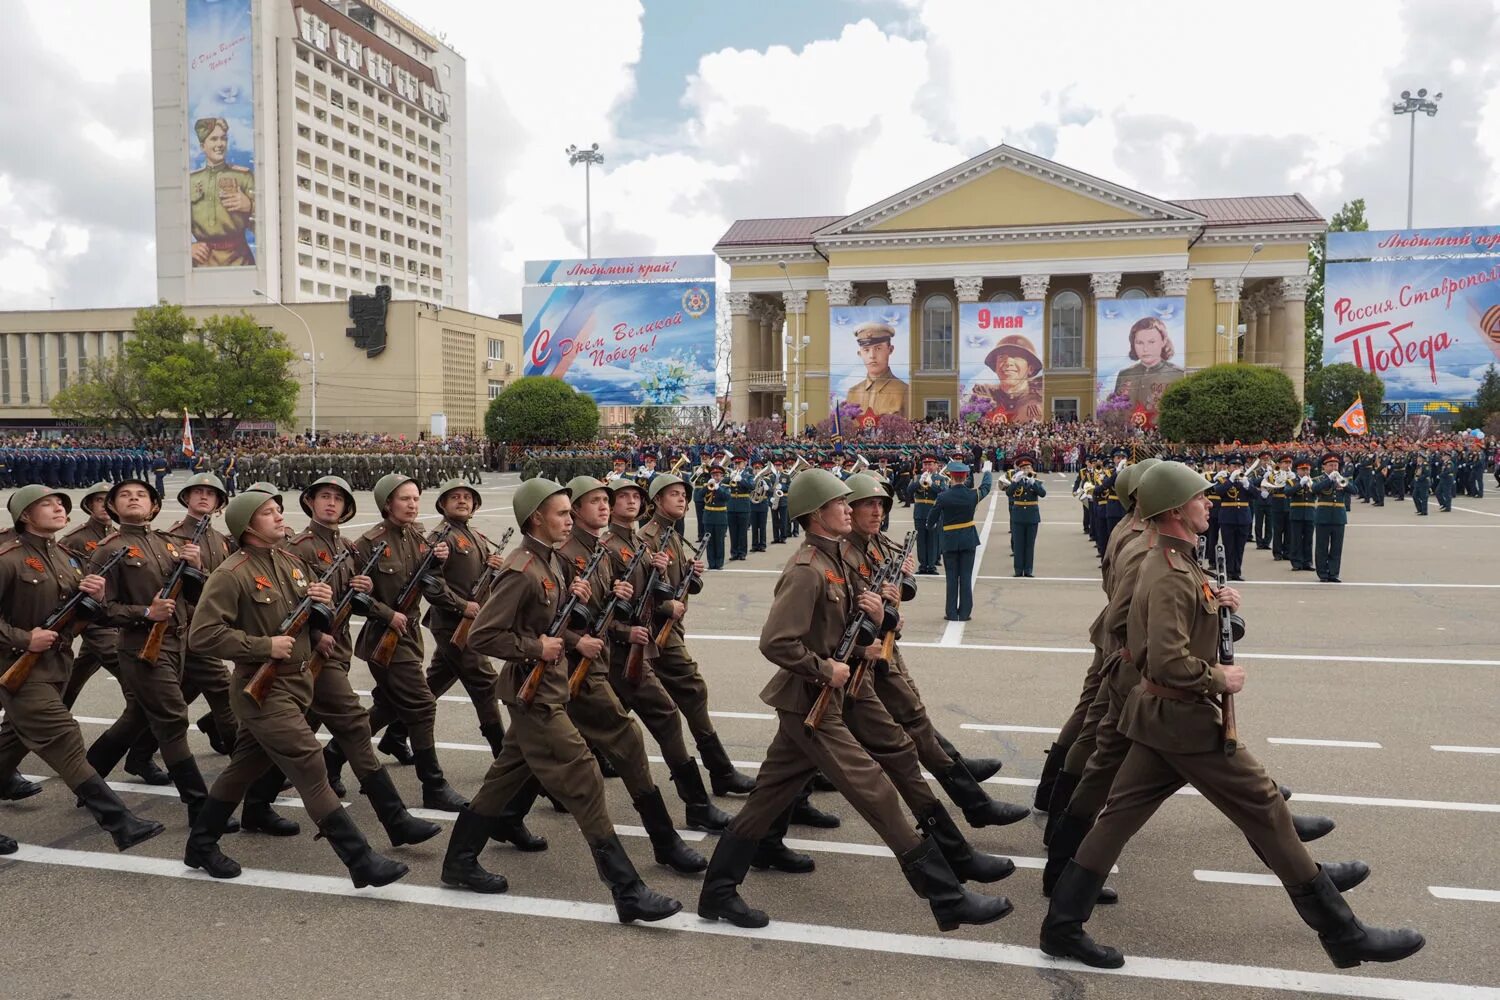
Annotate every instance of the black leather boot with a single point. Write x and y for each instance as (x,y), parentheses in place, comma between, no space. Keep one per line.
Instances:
(952,905)
(103,755)
(401,827)
(8,845)
(1063,935)
(720,898)
(14,788)
(702,814)
(394,744)
(1347,941)
(982,768)
(1345,875)
(113,817)
(1066,839)
(606,769)
(771,850)
(140,761)
(202,849)
(436,792)
(1051,768)
(804,813)
(461,867)
(665,843)
(510,827)
(979,809)
(968,864)
(1310,828)
(1062,793)
(721,772)
(333,759)
(210,728)
(633,900)
(819,783)
(257,815)
(1286,793)
(494,735)
(365,866)
(194,793)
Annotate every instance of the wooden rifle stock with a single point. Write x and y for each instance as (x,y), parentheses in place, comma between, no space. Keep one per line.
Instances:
(407,600)
(533,681)
(343,609)
(265,674)
(635,663)
(63,620)
(482,591)
(680,594)
(600,627)
(170,591)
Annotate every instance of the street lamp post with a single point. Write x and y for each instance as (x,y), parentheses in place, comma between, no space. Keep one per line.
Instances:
(796,341)
(588,157)
(312,357)
(1409,105)
(1236,328)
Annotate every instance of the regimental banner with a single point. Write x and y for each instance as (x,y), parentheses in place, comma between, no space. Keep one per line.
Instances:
(1139,352)
(1429,328)
(869,363)
(643,344)
(693,267)
(221,120)
(1000,362)
(1398,243)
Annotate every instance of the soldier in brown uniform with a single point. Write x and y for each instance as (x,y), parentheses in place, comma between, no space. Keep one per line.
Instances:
(239,618)
(402,682)
(37,575)
(817,596)
(154,693)
(542,740)
(673,664)
(649,697)
(1173,721)
(203,496)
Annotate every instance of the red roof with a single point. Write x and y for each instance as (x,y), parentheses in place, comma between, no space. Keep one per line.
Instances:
(1252,211)
(773,232)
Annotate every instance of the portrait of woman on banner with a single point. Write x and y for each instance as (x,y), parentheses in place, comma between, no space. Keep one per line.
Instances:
(1152,351)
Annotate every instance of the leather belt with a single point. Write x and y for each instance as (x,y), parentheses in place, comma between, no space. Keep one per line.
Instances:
(957,527)
(1169,693)
(1023,503)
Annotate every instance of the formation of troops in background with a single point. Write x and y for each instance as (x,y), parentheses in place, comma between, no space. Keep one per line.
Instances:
(586,613)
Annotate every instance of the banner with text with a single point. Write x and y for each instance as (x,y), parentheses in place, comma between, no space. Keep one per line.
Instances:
(1139,352)
(642,344)
(1393,243)
(221,118)
(1000,362)
(869,363)
(693,267)
(1429,328)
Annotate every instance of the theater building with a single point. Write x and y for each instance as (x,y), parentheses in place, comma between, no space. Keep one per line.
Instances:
(1011,226)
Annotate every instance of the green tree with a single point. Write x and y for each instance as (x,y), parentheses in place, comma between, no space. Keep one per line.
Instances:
(1230,402)
(1486,402)
(540,409)
(110,394)
(1330,390)
(1348,219)
(649,421)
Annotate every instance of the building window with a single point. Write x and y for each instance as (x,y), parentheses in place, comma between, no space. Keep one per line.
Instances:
(868,300)
(495,388)
(62,361)
(497,349)
(937,409)
(1003,297)
(5,369)
(83,355)
(1067,331)
(937,334)
(25,370)
(1065,410)
(41,364)
(1133,293)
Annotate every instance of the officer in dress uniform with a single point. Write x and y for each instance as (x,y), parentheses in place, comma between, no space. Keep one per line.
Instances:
(1329,517)
(1421,484)
(739,510)
(1260,506)
(1446,479)
(1233,493)
(1301,504)
(1272,485)
(759,508)
(716,502)
(1024,492)
(924,493)
(780,483)
(954,513)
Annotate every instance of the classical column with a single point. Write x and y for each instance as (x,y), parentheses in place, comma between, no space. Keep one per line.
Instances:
(1105,284)
(741,331)
(1294,347)
(840,293)
(1227,293)
(1034,286)
(902,290)
(968,289)
(1273,345)
(1172,283)
(1263,309)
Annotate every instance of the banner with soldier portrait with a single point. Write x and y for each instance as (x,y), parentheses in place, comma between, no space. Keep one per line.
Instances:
(1000,362)
(869,363)
(1139,353)
(221,123)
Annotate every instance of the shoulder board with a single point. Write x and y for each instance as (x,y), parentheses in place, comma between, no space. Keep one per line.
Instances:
(518,560)
(805,556)
(651,529)
(376,532)
(236,561)
(1174,559)
(10,546)
(307,533)
(174,529)
(239,169)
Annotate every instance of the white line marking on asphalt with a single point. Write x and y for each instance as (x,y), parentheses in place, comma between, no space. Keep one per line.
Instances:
(1349,744)
(988,728)
(1236,878)
(1286,583)
(1453,749)
(763,716)
(837,936)
(1466,895)
(1471,510)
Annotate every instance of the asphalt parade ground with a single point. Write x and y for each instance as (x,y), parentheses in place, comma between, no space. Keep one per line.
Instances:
(1374,699)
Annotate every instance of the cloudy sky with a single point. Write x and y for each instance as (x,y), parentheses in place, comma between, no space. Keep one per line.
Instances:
(712,110)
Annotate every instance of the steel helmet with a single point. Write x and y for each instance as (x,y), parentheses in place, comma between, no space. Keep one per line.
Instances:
(109,498)
(1165,486)
(620,484)
(811,489)
(662,481)
(99,489)
(863,486)
(448,486)
(28,495)
(579,485)
(338,484)
(204,479)
(243,507)
(530,496)
(388,484)
(1134,481)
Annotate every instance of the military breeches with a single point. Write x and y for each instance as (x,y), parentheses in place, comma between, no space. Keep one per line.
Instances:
(678,673)
(469,668)
(1237,786)
(91,656)
(605,725)
(277,733)
(898,693)
(159,704)
(543,741)
(404,695)
(792,758)
(37,720)
(336,706)
(1078,722)
(207,676)
(1107,745)
(866,717)
(652,703)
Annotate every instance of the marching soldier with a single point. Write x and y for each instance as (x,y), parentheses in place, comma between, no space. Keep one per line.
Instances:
(1421,484)
(739,510)
(817,596)
(760,505)
(239,617)
(1274,485)
(716,515)
(953,515)
(1233,493)
(780,523)
(515,625)
(1330,516)
(36,576)
(1301,502)
(1260,503)
(1024,492)
(202,498)
(924,494)
(1172,719)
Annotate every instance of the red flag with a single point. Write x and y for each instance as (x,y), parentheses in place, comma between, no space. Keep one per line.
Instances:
(187,435)
(1352,421)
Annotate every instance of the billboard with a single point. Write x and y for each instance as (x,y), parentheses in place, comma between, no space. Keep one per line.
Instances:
(869,362)
(693,267)
(1414,243)
(221,121)
(1428,327)
(640,344)
(1000,362)
(1139,352)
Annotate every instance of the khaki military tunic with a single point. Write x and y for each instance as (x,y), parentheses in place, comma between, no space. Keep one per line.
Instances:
(1174,724)
(886,394)
(221,230)
(100,642)
(242,607)
(468,550)
(206,675)
(37,575)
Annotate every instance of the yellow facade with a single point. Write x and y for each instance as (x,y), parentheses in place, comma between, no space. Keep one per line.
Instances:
(1011,223)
